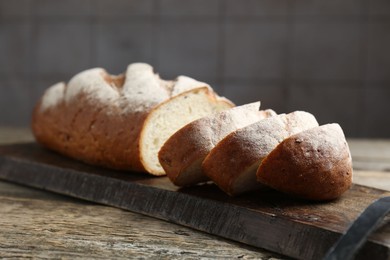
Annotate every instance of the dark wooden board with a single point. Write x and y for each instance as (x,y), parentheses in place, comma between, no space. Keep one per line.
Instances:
(265,219)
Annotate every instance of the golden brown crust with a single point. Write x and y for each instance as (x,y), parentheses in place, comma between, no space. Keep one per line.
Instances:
(94,133)
(175,156)
(240,153)
(183,153)
(232,156)
(315,164)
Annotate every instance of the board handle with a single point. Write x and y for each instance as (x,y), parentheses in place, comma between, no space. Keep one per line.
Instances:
(350,243)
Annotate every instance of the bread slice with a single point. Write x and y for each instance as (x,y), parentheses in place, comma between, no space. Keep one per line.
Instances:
(170,116)
(315,164)
(233,162)
(183,153)
(99,118)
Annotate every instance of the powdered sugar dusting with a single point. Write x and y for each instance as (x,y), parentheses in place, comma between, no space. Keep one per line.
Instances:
(263,136)
(92,83)
(184,83)
(53,95)
(300,121)
(327,140)
(143,87)
(207,131)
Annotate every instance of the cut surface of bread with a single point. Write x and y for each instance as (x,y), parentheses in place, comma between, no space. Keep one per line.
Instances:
(182,154)
(98,118)
(315,164)
(233,162)
(169,117)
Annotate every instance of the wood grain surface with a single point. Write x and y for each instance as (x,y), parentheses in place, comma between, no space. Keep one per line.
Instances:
(85,230)
(38,224)
(265,219)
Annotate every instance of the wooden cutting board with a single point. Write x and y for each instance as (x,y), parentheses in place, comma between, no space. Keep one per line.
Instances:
(264,219)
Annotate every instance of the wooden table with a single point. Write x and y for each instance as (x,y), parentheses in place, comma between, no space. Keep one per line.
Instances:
(41,224)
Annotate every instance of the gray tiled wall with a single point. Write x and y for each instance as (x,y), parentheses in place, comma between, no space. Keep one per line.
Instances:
(331,58)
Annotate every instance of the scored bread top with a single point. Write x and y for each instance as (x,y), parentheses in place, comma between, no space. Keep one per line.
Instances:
(136,90)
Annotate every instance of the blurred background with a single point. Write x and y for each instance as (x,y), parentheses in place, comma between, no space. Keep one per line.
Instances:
(331,58)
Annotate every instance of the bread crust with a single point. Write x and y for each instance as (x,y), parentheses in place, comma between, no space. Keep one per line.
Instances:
(94,119)
(315,164)
(183,153)
(242,151)
(94,133)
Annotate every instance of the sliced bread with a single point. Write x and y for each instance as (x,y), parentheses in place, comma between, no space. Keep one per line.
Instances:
(170,116)
(233,162)
(183,153)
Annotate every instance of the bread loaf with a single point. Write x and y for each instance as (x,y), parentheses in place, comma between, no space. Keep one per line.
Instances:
(120,121)
(233,162)
(315,164)
(137,121)
(183,153)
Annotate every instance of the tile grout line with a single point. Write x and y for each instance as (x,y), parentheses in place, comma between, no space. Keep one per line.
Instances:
(31,56)
(363,49)
(92,35)
(221,48)
(287,73)
(207,18)
(156,30)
